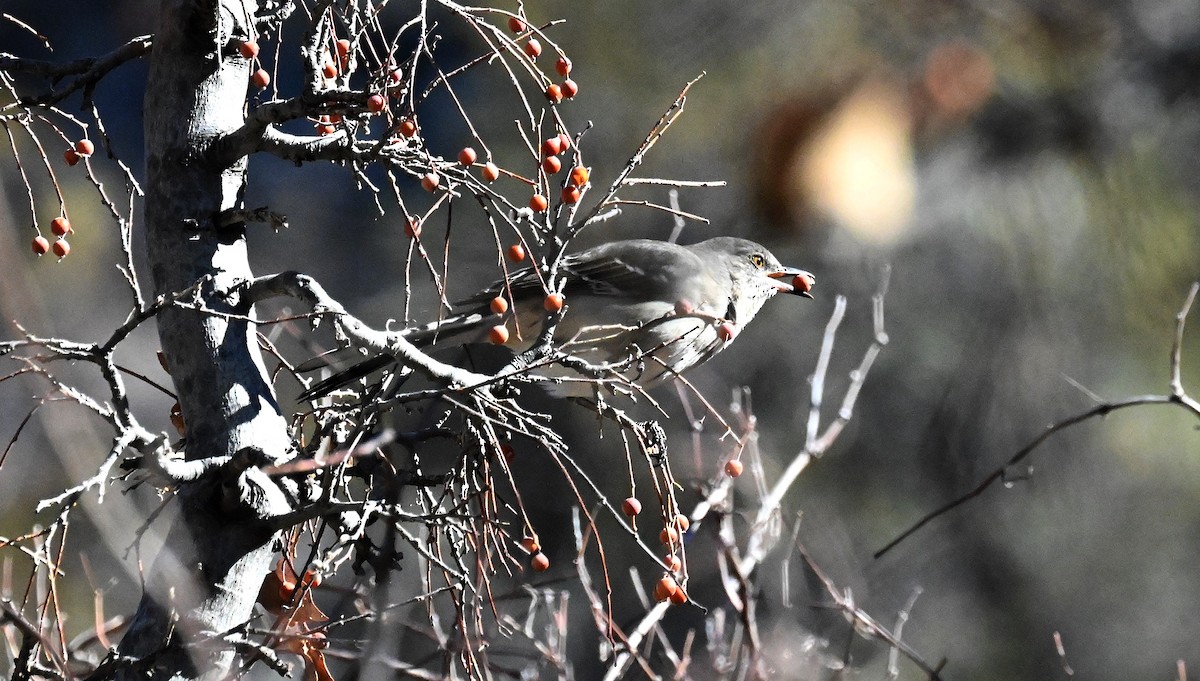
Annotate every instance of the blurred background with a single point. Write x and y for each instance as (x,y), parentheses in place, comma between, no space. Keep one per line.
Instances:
(1028,171)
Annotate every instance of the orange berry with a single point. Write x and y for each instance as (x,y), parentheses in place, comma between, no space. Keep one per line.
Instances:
(539,562)
(673,563)
(499,305)
(682,522)
(531,544)
(665,588)
(376,103)
(329,70)
(631,507)
(408,127)
(733,468)
(71,157)
(515,25)
(551,165)
(312,578)
(579,176)
(41,246)
(333,118)
(571,194)
(553,302)
(61,226)
(413,227)
(506,450)
(516,253)
(669,535)
(538,203)
(343,48)
(85,147)
(726,331)
(490,172)
(261,79)
(679,597)
(498,334)
(533,48)
(564,141)
(563,66)
(552,147)
(287,585)
(326,129)
(396,75)
(430,181)
(554,93)
(61,248)
(467,156)
(248,49)
(177,421)
(569,88)
(802,282)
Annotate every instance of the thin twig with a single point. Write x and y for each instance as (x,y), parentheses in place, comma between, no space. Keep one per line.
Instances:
(1177,397)
(864,624)
(89,71)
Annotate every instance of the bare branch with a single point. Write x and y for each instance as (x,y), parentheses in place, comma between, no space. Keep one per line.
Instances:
(1176,397)
(306,289)
(865,625)
(674,183)
(656,206)
(88,71)
(1177,350)
(625,659)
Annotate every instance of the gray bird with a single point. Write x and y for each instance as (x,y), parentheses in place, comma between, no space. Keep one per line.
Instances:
(637,311)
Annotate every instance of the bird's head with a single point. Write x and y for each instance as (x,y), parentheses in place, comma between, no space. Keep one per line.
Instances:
(755,273)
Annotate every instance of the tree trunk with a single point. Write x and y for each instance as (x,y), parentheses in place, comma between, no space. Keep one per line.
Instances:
(207,577)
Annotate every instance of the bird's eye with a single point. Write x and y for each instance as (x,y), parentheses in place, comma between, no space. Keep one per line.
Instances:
(758,261)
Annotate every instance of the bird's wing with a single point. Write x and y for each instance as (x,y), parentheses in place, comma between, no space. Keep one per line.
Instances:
(639,268)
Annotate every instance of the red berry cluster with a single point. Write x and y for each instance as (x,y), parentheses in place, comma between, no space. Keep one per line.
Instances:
(669,589)
(249,50)
(498,334)
(551,165)
(573,190)
(82,149)
(537,560)
(327,123)
(555,92)
(61,227)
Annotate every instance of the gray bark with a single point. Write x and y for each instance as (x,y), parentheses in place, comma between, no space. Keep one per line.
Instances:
(207,577)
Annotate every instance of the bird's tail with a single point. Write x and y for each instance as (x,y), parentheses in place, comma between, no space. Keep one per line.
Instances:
(349,365)
(446,329)
(341,378)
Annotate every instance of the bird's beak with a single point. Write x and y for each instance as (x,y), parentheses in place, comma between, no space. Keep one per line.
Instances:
(795,281)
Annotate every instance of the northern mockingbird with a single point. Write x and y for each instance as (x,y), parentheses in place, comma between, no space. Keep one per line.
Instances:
(637,311)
